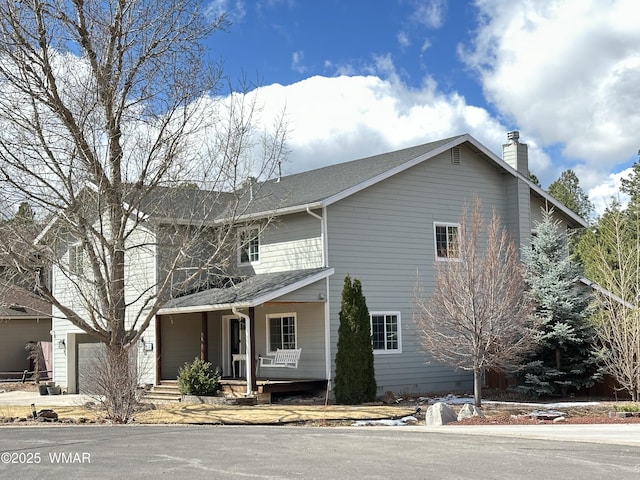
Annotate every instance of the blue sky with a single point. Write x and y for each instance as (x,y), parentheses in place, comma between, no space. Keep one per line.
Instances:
(285,42)
(363,77)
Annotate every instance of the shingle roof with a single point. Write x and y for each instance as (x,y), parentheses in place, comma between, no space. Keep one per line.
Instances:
(317,187)
(185,203)
(314,186)
(305,188)
(251,291)
(17,302)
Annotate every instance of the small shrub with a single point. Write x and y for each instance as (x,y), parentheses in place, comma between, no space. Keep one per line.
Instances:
(632,408)
(198,378)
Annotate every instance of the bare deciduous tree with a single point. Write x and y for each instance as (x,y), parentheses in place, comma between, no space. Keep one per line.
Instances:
(111,371)
(615,259)
(478,315)
(112,128)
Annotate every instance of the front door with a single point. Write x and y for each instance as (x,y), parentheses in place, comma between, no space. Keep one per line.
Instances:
(235,350)
(234,339)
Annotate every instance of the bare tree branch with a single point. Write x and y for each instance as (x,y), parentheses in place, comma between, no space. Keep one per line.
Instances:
(114,132)
(478,315)
(617,319)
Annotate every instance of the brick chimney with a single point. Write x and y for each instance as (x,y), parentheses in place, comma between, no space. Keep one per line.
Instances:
(516,153)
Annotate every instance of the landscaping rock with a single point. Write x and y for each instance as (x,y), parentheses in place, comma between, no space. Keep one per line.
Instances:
(546,414)
(468,411)
(440,414)
(47,415)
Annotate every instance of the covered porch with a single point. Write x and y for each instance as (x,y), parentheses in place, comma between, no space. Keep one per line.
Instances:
(232,327)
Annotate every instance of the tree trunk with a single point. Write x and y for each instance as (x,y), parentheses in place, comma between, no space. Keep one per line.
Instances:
(564,391)
(477,387)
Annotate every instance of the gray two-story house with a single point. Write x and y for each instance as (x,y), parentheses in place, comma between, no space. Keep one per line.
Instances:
(386,220)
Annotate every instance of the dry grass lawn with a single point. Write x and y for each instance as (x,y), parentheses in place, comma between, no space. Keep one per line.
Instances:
(181,413)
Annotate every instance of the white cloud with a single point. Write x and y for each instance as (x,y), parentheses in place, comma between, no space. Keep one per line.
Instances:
(297,60)
(234,10)
(429,12)
(567,73)
(602,195)
(403,39)
(343,118)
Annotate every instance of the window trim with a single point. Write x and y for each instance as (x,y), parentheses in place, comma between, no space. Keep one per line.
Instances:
(271,316)
(435,240)
(241,232)
(75,254)
(386,313)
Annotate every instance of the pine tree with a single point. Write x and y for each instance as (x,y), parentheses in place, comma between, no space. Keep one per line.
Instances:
(355,373)
(567,189)
(600,243)
(564,360)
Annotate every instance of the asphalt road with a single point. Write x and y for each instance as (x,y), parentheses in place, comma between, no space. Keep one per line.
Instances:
(257,452)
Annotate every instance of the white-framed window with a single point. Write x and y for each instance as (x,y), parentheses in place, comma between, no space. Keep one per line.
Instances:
(249,245)
(281,331)
(76,258)
(446,235)
(386,332)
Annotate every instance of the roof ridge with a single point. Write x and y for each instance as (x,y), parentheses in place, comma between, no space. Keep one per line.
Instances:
(363,159)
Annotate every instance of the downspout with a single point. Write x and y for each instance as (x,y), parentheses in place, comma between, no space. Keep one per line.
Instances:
(323,235)
(247,331)
(327,309)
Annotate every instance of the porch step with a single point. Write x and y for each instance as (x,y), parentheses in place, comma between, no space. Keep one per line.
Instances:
(168,392)
(165,392)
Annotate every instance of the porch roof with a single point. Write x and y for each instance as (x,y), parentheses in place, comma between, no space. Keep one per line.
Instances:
(253,291)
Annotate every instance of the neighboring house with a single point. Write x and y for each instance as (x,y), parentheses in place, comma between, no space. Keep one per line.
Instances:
(383,219)
(24,318)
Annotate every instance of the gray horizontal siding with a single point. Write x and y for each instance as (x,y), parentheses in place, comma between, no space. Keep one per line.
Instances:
(310,331)
(384,236)
(291,243)
(310,293)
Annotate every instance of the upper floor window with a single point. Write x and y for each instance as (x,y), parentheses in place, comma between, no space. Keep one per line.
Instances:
(385,332)
(281,331)
(249,245)
(76,258)
(446,240)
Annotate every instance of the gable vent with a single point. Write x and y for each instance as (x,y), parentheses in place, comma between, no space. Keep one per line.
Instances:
(455,155)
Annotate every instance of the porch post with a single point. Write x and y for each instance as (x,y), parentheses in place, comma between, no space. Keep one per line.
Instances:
(251,361)
(158,349)
(204,338)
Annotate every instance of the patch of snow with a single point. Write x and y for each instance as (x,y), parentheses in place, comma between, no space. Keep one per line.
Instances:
(456,400)
(386,422)
(545,405)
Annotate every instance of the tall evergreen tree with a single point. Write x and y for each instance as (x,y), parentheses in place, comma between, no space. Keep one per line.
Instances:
(631,187)
(534,178)
(600,243)
(355,373)
(567,189)
(564,360)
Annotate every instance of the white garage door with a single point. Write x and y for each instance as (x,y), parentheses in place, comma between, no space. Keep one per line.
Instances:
(89,358)
(88,350)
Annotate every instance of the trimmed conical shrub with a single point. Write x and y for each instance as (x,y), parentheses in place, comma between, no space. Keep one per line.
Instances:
(355,380)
